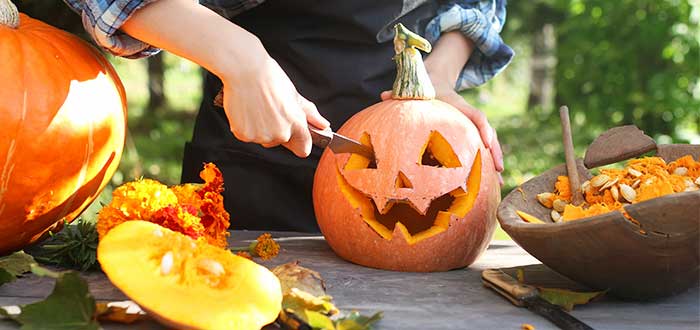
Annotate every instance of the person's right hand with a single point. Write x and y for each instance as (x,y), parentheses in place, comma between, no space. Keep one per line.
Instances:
(260,101)
(264,107)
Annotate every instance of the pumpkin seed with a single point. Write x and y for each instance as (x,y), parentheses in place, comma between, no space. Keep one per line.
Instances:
(559,205)
(609,184)
(166,263)
(585,186)
(599,180)
(636,183)
(545,198)
(634,172)
(628,193)
(211,266)
(689,183)
(693,188)
(556,217)
(697,181)
(615,193)
(680,171)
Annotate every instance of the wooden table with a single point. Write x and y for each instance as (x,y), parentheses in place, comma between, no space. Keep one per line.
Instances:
(448,300)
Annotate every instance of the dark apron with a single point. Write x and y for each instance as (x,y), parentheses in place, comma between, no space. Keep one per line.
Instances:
(338,54)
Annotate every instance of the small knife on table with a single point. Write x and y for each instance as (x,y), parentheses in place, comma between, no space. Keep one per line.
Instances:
(324,138)
(527,296)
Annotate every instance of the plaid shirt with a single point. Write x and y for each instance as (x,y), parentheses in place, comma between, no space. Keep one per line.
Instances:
(480,20)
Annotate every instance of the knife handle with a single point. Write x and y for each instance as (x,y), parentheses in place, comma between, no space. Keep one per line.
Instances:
(505,284)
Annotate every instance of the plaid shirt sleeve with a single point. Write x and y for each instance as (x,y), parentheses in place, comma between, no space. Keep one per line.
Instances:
(481,21)
(102,20)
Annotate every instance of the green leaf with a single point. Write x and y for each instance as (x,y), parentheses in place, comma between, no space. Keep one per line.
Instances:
(17,263)
(41,271)
(567,298)
(69,307)
(6,277)
(356,321)
(318,321)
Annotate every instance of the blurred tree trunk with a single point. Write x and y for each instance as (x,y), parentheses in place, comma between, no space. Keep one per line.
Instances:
(156,80)
(543,68)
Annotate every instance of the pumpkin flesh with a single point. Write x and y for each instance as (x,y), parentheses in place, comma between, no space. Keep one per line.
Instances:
(188,284)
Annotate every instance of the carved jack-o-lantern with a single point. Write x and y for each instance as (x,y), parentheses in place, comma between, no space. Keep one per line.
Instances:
(427,201)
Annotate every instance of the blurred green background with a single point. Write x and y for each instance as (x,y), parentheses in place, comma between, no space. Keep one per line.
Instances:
(612,62)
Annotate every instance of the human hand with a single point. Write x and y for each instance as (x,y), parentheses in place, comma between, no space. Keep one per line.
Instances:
(263,106)
(261,103)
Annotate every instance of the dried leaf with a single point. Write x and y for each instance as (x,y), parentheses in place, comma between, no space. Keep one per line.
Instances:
(120,312)
(292,275)
(567,298)
(298,300)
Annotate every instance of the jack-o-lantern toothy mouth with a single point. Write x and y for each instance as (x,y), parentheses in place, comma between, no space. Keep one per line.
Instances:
(401,214)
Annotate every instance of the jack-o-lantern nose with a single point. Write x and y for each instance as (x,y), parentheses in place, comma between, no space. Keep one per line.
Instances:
(402,181)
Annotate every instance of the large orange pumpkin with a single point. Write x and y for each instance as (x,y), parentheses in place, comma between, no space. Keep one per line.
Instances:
(62,126)
(427,202)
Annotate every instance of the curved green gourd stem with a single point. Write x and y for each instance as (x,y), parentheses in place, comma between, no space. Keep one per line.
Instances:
(412,81)
(9,16)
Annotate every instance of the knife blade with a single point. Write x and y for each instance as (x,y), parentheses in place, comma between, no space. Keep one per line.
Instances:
(527,296)
(338,143)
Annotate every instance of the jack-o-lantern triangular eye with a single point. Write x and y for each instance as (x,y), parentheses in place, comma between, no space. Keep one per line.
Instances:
(438,152)
(358,162)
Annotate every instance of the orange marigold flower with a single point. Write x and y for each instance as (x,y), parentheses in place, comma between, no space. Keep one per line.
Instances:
(136,200)
(196,210)
(187,194)
(265,247)
(215,219)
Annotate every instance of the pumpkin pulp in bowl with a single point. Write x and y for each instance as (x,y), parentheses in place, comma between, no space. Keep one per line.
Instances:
(648,254)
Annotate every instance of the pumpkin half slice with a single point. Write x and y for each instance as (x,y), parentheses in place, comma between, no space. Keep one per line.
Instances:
(188,284)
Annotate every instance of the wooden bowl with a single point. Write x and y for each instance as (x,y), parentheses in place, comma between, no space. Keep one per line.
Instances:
(657,258)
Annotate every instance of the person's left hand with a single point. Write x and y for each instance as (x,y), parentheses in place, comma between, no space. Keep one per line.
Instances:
(488,134)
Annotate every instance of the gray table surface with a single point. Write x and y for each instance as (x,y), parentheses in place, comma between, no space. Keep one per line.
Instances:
(447,300)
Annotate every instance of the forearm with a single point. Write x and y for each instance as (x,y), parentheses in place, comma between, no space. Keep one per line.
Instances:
(449,55)
(190,30)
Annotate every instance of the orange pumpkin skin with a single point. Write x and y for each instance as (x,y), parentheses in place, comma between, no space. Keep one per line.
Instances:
(399,130)
(63,120)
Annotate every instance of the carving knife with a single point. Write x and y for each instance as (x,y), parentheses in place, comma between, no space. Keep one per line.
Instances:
(527,296)
(337,143)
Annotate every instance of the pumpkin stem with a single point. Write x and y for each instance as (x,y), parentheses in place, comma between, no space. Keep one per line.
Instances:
(9,16)
(412,80)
